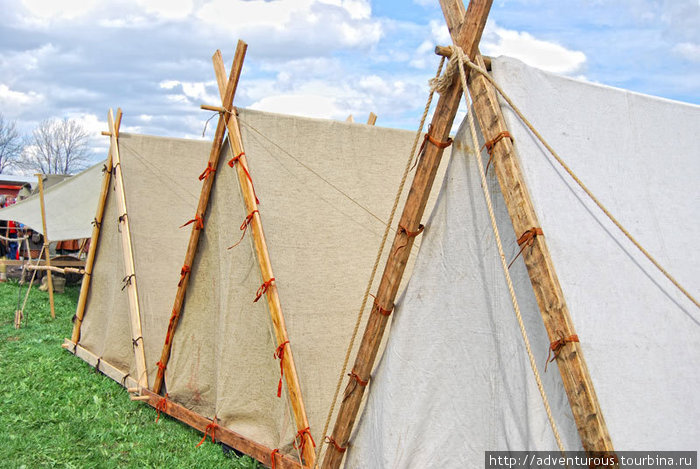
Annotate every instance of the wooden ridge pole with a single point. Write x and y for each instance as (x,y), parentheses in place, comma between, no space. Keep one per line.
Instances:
(87,278)
(550,298)
(401,249)
(202,206)
(130,281)
(273,301)
(46,244)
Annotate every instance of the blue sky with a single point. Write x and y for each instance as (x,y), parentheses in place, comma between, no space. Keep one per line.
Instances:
(321,58)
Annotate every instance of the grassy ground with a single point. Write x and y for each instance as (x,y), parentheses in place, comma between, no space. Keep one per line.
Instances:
(55,411)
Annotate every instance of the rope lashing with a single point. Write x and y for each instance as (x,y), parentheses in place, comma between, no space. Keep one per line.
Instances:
(555,348)
(207,171)
(186,269)
(492,143)
(429,138)
(171,326)
(409,234)
(95,223)
(381,310)
(279,353)
(357,378)
(354,382)
(135,342)
(236,159)
(127,280)
(244,227)
(331,441)
(300,441)
(263,289)
(527,239)
(198,220)
(162,406)
(161,367)
(106,170)
(273,463)
(212,427)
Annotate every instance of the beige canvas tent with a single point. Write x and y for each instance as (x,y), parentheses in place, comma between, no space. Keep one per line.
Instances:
(454,380)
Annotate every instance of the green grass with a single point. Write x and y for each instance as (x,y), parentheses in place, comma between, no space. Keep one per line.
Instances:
(56,411)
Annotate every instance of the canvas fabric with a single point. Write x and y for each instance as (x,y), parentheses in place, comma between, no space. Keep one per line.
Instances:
(317,181)
(69,206)
(454,380)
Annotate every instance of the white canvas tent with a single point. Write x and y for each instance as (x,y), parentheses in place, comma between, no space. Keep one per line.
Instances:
(454,380)
(70,206)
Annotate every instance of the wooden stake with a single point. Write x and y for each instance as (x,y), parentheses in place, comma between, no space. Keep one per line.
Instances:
(273,301)
(372,119)
(130,280)
(87,278)
(230,90)
(413,210)
(550,298)
(46,244)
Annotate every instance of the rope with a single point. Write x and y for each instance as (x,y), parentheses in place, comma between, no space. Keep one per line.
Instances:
(578,181)
(399,191)
(459,55)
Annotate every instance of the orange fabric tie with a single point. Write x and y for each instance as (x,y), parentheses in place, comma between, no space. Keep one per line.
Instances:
(161,367)
(236,159)
(263,289)
(409,234)
(555,348)
(273,463)
(300,441)
(171,326)
(207,171)
(279,353)
(162,406)
(199,222)
(429,138)
(357,378)
(382,311)
(492,143)
(527,239)
(244,227)
(338,448)
(183,273)
(212,427)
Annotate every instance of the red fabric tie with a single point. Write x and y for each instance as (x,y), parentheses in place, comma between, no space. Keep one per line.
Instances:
(244,226)
(183,273)
(300,441)
(263,289)
(279,353)
(212,427)
(236,159)
(199,222)
(273,463)
(555,348)
(171,326)
(162,406)
(207,171)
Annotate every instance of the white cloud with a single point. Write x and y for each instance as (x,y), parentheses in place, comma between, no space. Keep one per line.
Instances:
(688,50)
(310,105)
(545,55)
(190,91)
(54,9)
(11,99)
(166,9)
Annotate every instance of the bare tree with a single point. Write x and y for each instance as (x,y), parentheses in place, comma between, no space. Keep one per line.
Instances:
(10,144)
(58,147)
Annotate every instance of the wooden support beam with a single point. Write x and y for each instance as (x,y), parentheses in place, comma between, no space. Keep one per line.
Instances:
(272,296)
(446,51)
(40,178)
(372,119)
(550,298)
(97,222)
(213,162)
(102,366)
(130,280)
(414,207)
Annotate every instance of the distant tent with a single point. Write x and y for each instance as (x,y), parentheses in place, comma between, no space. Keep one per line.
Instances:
(70,205)
(454,380)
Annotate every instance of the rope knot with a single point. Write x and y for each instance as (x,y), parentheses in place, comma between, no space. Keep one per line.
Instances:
(273,463)
(527,239)
(207,171)
(279,353)
(300,441)
(199,222)
(237,159)
(263,289)
(331,441)
(492,143)
(555,348)
(409,235)
(183,273)
(161,367)
(357,378)
(244,227)
(212,427)
(162,406)
(127,280)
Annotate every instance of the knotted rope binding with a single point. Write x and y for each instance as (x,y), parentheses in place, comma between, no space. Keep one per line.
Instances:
(329,440)
(555,348)
(492,143)
(162,406)
(135,342)
(273,463)
(161,367)
(183,273)
(244,227)
(429,138)
(279,353)
(199,222)
(207,171)
(95,223)
(409,234)
(357,378)
(237,159)
(263,289)
(127,280)
(171,326)
(527,239)
(302,441)
(212,427)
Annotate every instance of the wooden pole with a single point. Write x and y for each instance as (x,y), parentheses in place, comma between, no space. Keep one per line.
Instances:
(230,90)
(401,249)
(550,298)
(97,222)
(46,243)
(372,119)
(273,301)
(130,280)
